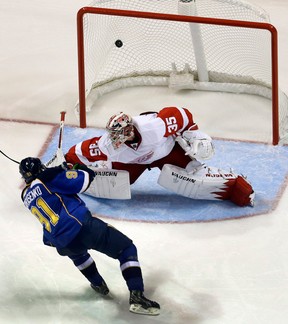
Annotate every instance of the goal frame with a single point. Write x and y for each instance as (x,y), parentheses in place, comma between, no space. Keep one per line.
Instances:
(181,18)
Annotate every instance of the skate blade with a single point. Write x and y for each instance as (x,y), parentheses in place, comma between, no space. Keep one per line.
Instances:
(138,309)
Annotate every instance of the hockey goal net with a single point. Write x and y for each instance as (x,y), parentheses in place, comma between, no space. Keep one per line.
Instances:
(211,45)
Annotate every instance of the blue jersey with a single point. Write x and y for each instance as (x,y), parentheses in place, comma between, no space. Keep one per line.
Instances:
(52,198)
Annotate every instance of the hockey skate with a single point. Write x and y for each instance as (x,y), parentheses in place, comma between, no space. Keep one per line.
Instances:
(101,289)
(139,304)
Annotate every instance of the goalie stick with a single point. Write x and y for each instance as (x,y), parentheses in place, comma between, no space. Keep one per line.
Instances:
(58,157)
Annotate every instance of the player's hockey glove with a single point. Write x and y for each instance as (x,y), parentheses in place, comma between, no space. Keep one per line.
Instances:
(196,144)
(83,167)
(65,166)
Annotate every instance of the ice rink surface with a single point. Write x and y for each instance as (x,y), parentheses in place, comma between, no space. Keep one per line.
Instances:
(218,272)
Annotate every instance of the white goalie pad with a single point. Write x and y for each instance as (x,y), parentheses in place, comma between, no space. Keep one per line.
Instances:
(109,183)
(205,183)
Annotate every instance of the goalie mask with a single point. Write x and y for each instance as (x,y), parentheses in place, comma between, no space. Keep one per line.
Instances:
(120,129)
(30,167)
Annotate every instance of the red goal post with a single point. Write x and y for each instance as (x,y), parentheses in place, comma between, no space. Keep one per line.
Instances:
(84,90)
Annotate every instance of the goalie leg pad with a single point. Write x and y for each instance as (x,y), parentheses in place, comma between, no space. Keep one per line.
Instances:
(206,183)
(242,193)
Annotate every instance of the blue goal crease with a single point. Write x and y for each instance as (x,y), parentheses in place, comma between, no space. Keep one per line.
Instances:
(265,166)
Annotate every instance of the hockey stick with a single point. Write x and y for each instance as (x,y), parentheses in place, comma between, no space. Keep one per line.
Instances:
(9,157)
(58,157)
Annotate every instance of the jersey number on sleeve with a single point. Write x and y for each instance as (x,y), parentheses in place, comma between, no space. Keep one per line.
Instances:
(171,124)
(45,214)
(94,149)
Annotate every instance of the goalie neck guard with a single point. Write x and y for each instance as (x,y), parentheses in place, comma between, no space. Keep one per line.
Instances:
(120,129)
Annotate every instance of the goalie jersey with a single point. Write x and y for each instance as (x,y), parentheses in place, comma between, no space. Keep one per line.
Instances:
(88,153)
(156,133)
(156,136)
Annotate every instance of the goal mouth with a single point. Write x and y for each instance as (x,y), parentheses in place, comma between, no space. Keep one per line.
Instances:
(223,45)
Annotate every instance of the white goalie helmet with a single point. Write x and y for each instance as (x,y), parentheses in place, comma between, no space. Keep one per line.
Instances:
(120,129)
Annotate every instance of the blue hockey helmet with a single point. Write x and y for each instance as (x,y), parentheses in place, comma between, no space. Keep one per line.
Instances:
(30,167)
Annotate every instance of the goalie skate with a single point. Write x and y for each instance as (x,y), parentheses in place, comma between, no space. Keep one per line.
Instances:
(139,304)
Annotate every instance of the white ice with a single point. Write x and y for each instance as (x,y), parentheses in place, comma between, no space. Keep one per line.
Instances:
(230,272)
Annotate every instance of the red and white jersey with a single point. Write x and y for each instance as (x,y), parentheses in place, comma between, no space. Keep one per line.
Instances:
(156,134)
(88,153)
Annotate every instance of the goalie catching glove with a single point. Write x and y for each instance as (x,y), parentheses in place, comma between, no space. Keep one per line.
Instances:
(196,144)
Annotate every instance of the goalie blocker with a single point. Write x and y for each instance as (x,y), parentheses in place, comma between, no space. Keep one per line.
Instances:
(110,183)
(207,183)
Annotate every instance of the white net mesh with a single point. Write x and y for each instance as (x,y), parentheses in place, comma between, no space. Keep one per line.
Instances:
(126,51)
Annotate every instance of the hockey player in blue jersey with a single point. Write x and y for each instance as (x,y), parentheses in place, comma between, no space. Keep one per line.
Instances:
(51,194)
